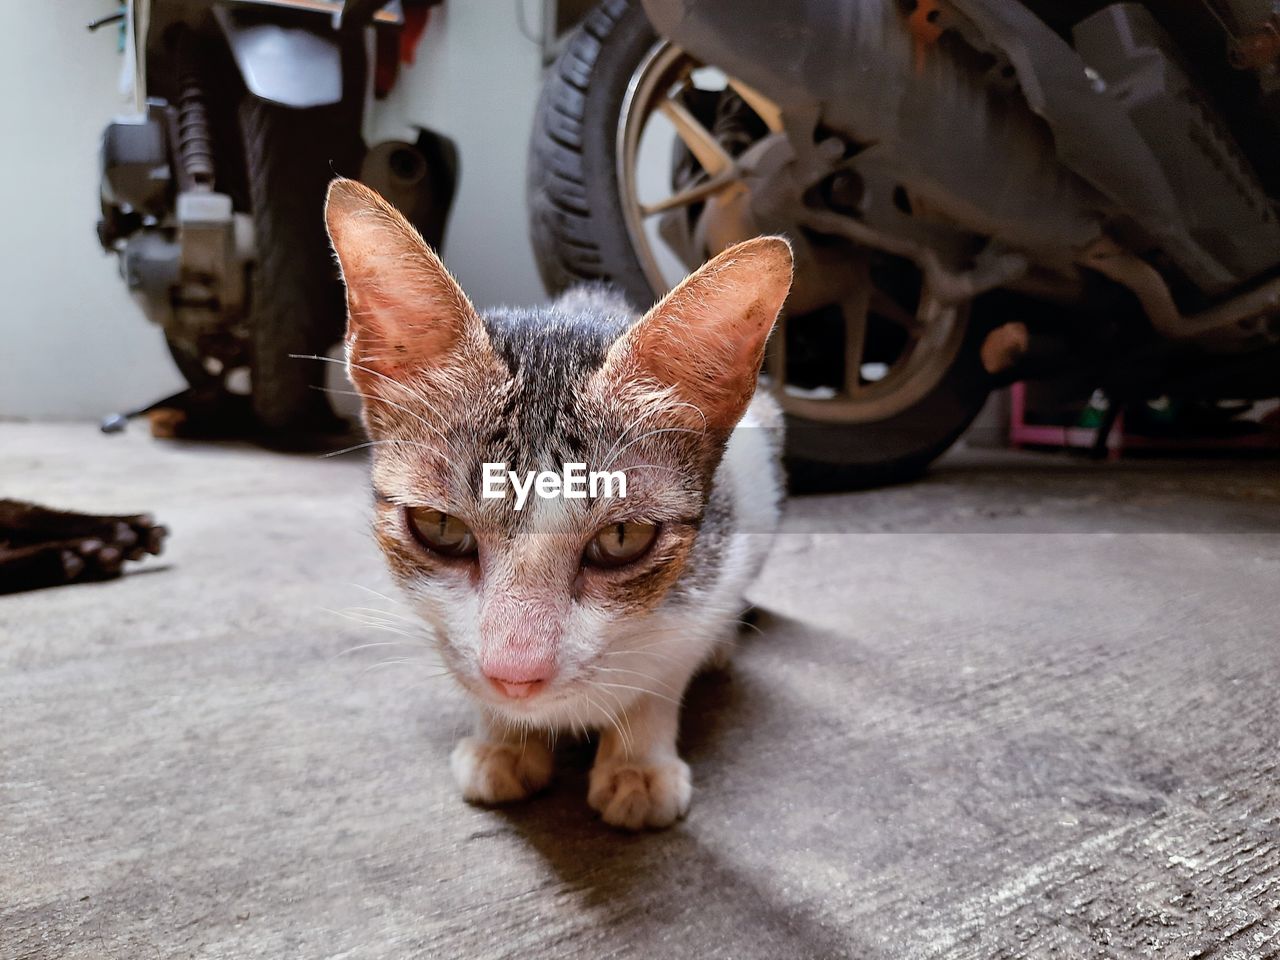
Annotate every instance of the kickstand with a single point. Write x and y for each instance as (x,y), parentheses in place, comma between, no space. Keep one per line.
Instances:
(1100,448)
(116,422)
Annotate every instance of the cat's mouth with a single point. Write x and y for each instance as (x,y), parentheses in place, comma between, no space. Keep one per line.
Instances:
(522,699)
(564,702)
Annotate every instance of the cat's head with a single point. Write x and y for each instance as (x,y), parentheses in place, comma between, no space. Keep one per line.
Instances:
(528,606)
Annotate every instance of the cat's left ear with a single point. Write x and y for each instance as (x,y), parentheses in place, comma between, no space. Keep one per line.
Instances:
(706,338)
(405,312)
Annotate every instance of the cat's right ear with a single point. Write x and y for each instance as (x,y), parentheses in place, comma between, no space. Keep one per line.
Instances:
(706,338)
(405,313)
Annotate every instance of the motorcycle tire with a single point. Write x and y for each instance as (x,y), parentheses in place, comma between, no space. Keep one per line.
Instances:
(296,300)
(578,230)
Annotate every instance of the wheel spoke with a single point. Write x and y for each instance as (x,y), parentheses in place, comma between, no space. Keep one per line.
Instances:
(765,109)
(885,306)
(856,310)
(690,195)
(714,159)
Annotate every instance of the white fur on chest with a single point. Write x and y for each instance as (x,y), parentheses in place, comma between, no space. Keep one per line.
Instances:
(752,473)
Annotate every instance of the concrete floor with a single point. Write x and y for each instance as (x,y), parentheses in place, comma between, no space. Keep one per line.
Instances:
(1026,708)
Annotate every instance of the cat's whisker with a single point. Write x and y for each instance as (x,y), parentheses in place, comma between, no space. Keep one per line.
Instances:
(382,643)
(626,686)
(637,673)
(660,657)
(650,466)
(629,743)
(407,617)
(608,714)
(396,631)
(395,662)
(665,407)
(677,404)
(665,635)
(350,449)
(376,615)
(367,618)
(348,364)
(608,457)
(391,441)
(382,596)
(646,436)
(621,713)
(391,403)
(388,625)
(368,398)
(582,724)
(657,640)
(574,721)
(660,642)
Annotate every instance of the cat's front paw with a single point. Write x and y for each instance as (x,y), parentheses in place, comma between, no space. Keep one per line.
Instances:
(492,772)
(634,795)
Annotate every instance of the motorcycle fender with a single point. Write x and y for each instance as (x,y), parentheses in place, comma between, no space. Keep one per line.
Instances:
(287,65)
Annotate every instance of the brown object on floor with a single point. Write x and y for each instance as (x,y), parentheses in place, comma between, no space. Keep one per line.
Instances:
(166,423)
(40,547)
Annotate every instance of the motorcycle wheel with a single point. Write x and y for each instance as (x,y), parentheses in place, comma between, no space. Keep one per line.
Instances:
(191,365)
(296,300)
(587,223)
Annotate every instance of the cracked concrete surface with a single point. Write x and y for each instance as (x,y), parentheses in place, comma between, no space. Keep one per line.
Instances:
(1026,708)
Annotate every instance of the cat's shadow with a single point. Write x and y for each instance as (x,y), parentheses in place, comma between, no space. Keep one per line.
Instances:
(640,882)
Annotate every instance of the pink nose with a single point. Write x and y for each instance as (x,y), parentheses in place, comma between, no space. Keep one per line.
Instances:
(517,690)
(517,676)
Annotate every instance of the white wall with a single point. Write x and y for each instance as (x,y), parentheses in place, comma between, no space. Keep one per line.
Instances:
(72,344)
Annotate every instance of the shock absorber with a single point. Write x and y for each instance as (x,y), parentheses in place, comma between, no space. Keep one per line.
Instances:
(210,290)
(194,144)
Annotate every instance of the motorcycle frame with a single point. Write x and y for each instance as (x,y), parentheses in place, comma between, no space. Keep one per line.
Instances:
(1046,172)
(300,56)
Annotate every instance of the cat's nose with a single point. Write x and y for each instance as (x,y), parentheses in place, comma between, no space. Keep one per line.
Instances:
(517,676)
(517,689)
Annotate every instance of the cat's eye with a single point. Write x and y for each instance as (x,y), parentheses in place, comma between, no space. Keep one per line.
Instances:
(620,543)
(441,532)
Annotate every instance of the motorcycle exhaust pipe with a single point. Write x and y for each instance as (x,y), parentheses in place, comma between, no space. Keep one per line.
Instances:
(418,179)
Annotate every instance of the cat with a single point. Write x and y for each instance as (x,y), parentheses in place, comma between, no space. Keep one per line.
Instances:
(572,614)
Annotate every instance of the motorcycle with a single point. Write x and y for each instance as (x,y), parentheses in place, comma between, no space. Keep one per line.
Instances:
(978,191)
(212,194)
